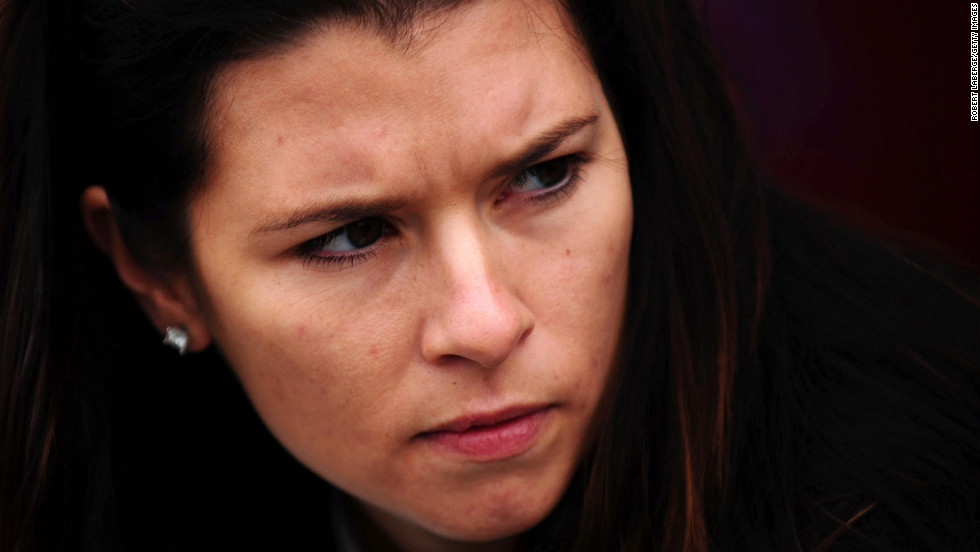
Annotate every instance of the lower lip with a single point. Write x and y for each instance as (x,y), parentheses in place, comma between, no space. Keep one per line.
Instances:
(496,442)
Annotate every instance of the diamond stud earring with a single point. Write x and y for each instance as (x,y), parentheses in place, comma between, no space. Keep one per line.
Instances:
(176,338)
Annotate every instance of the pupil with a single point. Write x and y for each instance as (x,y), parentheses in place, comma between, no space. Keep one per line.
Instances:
(552,172)
(365,232)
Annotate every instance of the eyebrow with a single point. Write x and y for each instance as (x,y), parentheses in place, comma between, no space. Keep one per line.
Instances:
(352,210)
(544,144)
(336,212)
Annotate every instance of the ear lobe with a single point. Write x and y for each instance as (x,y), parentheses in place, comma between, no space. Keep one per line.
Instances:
(166,301)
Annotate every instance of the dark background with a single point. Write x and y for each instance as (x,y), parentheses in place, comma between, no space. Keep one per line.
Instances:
(863,108)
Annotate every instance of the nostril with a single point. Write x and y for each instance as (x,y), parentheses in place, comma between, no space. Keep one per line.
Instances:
(526,328)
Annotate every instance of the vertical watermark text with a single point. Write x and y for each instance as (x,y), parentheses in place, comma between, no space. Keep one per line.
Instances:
(974,92)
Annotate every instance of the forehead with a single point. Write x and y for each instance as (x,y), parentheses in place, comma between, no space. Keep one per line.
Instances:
(488,70)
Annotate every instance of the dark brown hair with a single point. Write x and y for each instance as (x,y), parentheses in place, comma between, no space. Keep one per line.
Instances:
(741,369)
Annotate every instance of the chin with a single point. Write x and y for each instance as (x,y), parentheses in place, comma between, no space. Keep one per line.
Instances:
(499,514)
(494,520)
(489,530)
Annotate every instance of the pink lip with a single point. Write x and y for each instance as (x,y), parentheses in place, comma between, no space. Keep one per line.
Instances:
(493,435)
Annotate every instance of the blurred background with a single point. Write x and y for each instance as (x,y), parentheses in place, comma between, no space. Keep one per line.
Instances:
(863,108)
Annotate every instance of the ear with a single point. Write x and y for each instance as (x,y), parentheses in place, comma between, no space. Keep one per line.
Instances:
(166,301)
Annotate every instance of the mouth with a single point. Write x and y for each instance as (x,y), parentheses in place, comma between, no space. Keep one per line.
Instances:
(490,436)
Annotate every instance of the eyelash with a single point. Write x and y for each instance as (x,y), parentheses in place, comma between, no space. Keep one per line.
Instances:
(339,261)
(346,260)
(343,260)
(561,191)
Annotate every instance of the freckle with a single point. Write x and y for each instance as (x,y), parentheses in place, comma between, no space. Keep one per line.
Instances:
(568,252)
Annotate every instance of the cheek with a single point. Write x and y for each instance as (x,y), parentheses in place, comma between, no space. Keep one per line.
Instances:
(581,304)
(336,398)
(587,289)
(315,367)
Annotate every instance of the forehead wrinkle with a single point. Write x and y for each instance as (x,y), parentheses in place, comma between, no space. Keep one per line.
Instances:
(514,95)
(518,98)
(418,32)
(364,48)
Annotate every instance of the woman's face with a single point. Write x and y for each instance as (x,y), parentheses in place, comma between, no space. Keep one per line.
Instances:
(414,256)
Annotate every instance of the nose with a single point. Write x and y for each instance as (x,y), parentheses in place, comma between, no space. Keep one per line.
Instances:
(474,313)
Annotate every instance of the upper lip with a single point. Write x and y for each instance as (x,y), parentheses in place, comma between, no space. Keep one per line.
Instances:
(488,418)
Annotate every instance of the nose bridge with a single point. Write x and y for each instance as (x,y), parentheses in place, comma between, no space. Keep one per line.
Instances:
(475,313)
(468,260)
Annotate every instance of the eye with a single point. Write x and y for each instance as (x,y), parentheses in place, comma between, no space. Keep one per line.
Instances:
(347,244)
(356,235)
(546,182)
(548,174)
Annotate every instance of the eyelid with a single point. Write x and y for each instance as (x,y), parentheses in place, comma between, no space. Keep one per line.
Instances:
(575,130)
(556,194)
(576,162)
(341,261)
(338,260)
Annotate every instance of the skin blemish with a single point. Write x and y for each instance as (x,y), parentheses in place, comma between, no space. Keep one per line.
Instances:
(568,252)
